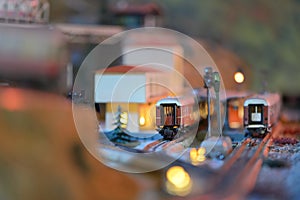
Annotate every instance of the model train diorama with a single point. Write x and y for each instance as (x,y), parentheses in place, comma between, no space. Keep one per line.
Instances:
(260,112)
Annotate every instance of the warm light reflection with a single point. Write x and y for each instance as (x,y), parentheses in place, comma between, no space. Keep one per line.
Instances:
(235,125)
(197,156)
(203,109)
(239,77)
(201,151)
(142,120)
(241,111)
(235,113)
(124,119)
(147,114)
(193,154)
(178,181)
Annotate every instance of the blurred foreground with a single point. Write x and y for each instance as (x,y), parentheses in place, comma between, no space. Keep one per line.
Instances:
(41,156)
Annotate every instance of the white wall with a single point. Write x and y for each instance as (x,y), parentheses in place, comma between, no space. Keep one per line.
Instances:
(167,59)
(120,88)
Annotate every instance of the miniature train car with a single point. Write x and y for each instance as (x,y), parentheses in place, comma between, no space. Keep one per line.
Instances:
(175,113)
(234,102)
(261,112)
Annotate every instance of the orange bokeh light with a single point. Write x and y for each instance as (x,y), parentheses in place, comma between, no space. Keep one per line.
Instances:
(11,99)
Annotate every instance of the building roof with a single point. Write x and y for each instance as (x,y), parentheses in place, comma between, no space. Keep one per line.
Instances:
(82,33)
(122,69)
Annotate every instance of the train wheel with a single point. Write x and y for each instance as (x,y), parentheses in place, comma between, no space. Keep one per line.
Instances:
(247,133)
(168,134)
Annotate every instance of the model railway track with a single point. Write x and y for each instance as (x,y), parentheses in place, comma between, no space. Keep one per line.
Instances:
(160,144)
(155,145)
(236,155)
(237,177)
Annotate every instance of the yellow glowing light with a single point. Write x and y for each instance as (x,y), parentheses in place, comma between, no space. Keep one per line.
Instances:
(197,156)
(178,181)
(142,121)
(203,109)
(201,151)
(178,177)
(124,118)
(193,155)
(239,77)
(241,112)
(201,158)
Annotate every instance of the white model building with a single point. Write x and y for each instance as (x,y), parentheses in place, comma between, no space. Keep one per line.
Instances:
(152,69)
(135,90)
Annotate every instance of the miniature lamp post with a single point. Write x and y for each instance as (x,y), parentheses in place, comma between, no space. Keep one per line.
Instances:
(208,84)
(215,145)
(216,80)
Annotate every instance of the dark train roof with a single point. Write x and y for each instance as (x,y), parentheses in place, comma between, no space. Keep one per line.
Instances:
(137,9)
(266,99)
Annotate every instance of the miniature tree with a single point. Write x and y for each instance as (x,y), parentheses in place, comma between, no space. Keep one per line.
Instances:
(120,134)
(120,121)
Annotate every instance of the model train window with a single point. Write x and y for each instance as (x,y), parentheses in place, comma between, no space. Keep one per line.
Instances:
(256,113)
(235,113)
(168,114)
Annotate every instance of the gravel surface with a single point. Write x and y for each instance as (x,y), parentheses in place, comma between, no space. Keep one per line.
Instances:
(279,177)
